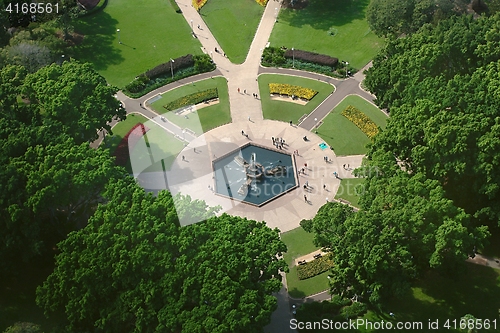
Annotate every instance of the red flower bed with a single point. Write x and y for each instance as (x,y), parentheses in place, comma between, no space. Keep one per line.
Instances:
(128,143)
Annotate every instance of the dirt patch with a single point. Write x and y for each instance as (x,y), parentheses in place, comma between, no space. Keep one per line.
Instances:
(295,4)
(288,99)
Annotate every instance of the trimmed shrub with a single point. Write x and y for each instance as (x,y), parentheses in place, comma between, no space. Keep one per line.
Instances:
(273,56)
(291,90)
(203,63)
(315,267)
(320,59)
(166,68)
(192,99)
(138,84)
(364,123)
(175,6)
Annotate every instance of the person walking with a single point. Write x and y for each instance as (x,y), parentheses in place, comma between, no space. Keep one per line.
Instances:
(305,198)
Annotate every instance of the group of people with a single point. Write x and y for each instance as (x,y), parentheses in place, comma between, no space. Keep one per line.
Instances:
(278,142)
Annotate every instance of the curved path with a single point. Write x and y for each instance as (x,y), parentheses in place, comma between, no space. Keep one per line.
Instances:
(246,113)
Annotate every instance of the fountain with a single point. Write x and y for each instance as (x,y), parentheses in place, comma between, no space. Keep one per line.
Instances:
(256,181)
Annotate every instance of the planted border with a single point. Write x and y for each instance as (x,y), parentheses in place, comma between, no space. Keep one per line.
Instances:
(263,3)
(192,99)
(197,4)
(361,120)
(316,58)
(315,267)
(291,90)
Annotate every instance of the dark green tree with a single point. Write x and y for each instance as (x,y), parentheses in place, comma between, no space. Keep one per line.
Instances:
(134,269)
(74,98)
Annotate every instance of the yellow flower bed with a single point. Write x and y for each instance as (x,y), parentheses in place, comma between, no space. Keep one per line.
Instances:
(262,2)
(365,124)
(197,4)
(290,90)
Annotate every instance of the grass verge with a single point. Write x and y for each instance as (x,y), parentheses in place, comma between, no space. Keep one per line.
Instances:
(350,190)
(150,33)
(286,111)
(209,117)
(233,23)
(341,134)
(329,27)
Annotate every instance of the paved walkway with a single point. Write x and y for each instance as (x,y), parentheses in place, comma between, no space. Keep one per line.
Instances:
(193,174)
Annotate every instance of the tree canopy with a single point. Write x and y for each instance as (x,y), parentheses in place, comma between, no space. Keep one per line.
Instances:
(133,268)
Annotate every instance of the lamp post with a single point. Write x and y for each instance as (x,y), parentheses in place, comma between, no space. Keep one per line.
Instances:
(62,59)
(118,31)
(212,55)
(192,25)
(276,13)
(172,67)
(293,57)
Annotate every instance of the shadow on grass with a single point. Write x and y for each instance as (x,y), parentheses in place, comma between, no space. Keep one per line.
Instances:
(323,14)
(296,293)
(475,292)
(97,47)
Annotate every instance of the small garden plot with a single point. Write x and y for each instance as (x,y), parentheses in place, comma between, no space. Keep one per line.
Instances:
(362,121)
(291,93)
(193,99)
(315,267)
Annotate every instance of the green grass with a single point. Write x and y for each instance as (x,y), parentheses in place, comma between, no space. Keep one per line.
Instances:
(162,146)
(151,33)
(341,134)
(475,291)
(307,29)
(209,117)
(233,23)
(286,111)
(298,242)
(349,190)
(302,288)
(121,129)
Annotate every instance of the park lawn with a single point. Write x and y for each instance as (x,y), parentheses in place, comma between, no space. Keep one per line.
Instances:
(209,117)
(475,291)
(307,29)
(233,23)
(161,145)
(286,111)
(121,129)
(350,189)
(302,288)
(151,33)
(341,134)
(298,242)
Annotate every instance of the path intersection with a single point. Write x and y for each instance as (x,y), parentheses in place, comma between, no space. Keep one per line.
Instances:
(288,210)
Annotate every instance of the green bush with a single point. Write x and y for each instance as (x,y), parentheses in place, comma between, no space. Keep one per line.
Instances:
(355,310)
(340,301)
(138,84)
(203,63)
(197,97)
(315,267)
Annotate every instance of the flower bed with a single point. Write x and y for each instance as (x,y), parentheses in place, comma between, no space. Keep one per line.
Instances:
(198,97)
(315,267)
(290,90)
(197,4)
(128,143)
(262,2)
(364,123)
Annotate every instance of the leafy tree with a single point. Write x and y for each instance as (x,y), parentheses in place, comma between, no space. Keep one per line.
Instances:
(406,226)
(30,55)
(48,191)
(23,327)
(75,96)
(133,268)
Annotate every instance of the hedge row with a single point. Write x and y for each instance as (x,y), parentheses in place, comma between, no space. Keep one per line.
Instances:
(175,6)
(128,143)
(197,4)
(315,267)
(364,123)
(193,99)
(142,84)
(291,90)
(166,68)
(321,59)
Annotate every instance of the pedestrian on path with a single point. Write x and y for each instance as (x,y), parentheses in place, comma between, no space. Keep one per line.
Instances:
(199,27)
(238,90)
(183,158)
(242,132)
(305,198)
(249,118)
(291,123)
(245,91)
